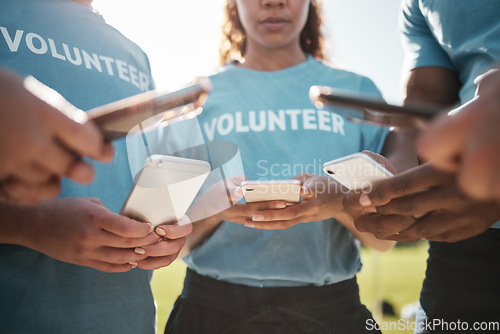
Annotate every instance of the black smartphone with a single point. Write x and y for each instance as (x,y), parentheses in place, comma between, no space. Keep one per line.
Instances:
(150,109)
(368,110)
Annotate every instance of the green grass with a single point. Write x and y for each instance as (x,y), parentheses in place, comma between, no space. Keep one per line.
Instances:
(395,276)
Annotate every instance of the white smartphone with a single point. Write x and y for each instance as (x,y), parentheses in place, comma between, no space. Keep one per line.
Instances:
(272,190)
(356,171)
(165,188)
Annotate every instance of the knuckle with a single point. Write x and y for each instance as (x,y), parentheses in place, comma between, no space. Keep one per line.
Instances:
(383,209)
(129,242)
(85,237)
(124,257)
(39,147)
(294,211)
(247,210)
(92,217)
(377,194)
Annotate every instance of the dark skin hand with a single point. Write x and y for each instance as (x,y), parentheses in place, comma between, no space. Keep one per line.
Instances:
(422,203)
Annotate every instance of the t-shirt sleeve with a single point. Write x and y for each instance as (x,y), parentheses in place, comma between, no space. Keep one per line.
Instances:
(420,46)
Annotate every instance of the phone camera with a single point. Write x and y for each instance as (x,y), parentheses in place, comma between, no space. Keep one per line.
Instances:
(331,172)
(249,189)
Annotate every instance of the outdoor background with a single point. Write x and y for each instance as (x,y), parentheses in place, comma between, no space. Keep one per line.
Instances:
(181,39)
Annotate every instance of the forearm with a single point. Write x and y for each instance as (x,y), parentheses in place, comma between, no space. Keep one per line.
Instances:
(432,85)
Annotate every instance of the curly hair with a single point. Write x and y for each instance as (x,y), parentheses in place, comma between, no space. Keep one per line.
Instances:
(233,43)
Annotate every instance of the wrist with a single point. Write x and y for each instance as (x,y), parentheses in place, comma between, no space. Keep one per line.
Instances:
(17,225)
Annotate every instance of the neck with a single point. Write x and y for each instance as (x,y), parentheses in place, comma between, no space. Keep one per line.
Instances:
(262,59)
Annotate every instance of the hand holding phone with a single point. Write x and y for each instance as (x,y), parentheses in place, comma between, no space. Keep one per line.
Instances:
(357,171)
(165,188)
(272,190)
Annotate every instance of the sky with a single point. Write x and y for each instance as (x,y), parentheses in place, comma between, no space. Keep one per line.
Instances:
(181,37)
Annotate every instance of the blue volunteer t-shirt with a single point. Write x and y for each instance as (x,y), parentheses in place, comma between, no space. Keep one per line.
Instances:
(280,134)
(432,37)
(72,50)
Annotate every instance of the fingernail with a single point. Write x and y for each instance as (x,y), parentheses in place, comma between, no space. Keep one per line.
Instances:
(372,209)
(250,225)
(151,228)
(257,217)
(305,190)
(140,250)
(133,264)
(160,231)
(364,200)
(280,205)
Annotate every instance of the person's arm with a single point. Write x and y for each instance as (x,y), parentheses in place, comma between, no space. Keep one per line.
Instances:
(429,76)
(469,142)
(423,202)
(432,85)
(39,143)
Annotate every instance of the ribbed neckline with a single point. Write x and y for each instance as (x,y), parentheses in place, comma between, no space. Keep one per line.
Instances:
(286,71)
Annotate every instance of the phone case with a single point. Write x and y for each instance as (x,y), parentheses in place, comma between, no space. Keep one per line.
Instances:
(262,191)
(165,188)
(356,171)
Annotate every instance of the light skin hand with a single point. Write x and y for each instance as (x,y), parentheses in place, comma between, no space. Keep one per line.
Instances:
(80,231)
(468,141)
(39,144)
(422,203)
(321,199)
